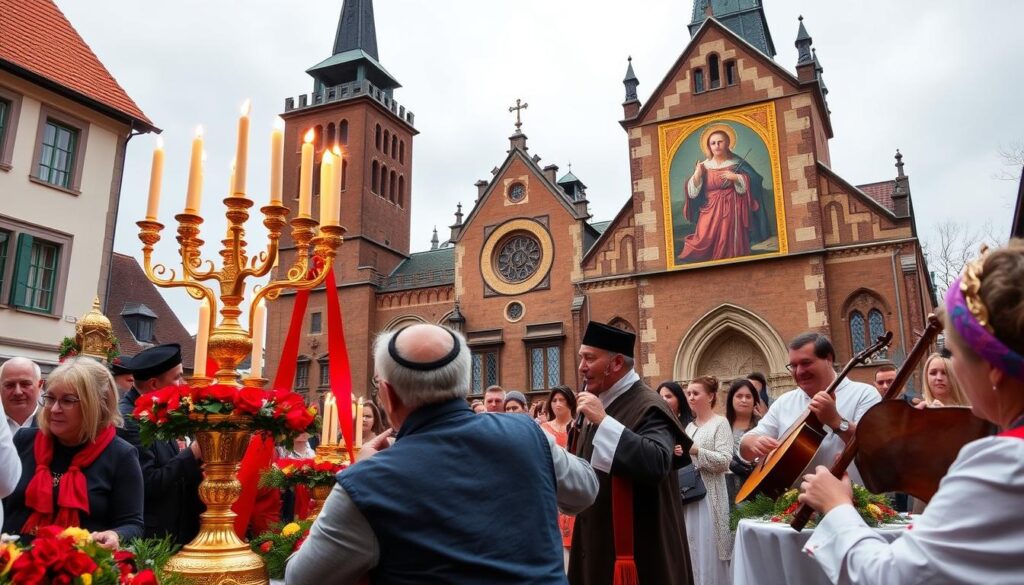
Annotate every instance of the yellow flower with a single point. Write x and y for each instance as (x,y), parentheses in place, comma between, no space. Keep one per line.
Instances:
(875,511)
(80,535)
(288,469)
(86,578)
(13,553)
(290,529)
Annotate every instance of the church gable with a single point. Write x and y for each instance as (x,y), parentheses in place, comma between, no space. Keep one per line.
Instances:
(614,253)
(849,216)
(717,69)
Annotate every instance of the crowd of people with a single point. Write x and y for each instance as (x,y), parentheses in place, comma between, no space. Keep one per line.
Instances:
(585,487)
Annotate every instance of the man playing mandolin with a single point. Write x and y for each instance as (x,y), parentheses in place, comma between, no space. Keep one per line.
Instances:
(811,358)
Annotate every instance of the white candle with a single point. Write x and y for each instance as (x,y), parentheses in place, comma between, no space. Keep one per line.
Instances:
(359,423)
(195,174)
(202,340)
(242,151)
(259,323)
(155,177)
(336,187)
(276,161)
(231,179)
(306,175)
(326,186)
(325,423)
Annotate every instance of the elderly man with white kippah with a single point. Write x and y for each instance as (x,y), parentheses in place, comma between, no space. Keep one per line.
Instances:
(432,508)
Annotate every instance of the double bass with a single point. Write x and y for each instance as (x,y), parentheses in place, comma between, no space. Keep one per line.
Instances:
(776,472)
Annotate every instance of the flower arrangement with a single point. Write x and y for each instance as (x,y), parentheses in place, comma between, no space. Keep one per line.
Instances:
(69,348)
(875,509)
(177,411)
(286,473)
(69,556)
(275,546)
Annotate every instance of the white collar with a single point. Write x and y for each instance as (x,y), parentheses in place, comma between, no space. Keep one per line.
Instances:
(619,387)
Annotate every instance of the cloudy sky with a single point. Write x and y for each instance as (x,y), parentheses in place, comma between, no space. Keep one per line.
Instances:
(937,79)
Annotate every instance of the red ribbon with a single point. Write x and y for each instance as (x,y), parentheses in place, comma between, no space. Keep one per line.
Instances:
(622,526)
(340,370)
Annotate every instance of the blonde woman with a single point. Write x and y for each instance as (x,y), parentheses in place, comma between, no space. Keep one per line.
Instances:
(941,387)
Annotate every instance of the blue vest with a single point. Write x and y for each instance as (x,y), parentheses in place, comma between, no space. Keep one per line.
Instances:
(461,498)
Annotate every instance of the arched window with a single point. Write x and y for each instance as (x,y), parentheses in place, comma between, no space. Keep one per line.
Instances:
(401,152)
(316,178)
(377,137)
(330,133)
(876,328)
(394,146)
(344,173)
(857,332)
(387,141)
(318,139)
(401,191)
(714,75)
(343,132)
(730,72)
(698,80)
(374,176)
(383,181)
(392,194)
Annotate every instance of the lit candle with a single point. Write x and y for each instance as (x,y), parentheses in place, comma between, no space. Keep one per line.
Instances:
(326,181)
(242,152)
(276,161)
(306,175)
(231,179)
(336,187)
(325,426)
(155,176)
(195,174)
(202,340)
(259,323)
(359,423)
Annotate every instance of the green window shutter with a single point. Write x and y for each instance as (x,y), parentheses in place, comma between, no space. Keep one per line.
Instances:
(22,261)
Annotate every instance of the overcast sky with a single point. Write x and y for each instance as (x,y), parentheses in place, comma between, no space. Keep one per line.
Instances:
(937,79)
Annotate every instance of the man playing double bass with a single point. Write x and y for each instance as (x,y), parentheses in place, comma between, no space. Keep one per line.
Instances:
(810,360)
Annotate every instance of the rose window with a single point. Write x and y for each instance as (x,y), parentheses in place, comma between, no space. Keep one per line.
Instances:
(518,258)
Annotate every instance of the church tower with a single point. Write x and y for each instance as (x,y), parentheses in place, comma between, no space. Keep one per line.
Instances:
(351,106)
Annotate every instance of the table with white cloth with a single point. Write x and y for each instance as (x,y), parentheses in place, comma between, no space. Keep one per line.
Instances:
(769,553)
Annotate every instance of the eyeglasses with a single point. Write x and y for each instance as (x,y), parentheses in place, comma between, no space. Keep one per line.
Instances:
(67,401)
(803,364)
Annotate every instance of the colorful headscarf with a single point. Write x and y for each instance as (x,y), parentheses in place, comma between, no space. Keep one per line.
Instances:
(976,333)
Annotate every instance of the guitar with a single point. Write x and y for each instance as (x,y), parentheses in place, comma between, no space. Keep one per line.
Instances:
(775,473)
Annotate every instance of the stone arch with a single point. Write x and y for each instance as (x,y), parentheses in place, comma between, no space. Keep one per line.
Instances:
(403,321)
(622,323)
(728,342)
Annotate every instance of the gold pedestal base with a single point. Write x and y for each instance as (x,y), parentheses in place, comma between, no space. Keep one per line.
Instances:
(238,566)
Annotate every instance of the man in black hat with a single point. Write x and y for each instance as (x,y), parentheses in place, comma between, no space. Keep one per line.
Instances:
(171,475)
(628,435)
(124,376)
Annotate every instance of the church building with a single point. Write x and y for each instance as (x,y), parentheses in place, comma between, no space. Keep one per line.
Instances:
(714,265)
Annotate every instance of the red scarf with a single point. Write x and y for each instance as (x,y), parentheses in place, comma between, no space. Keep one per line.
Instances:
(622,527)
(74,490)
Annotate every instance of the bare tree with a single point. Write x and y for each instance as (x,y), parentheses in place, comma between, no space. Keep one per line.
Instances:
(1013,160)
(952,244)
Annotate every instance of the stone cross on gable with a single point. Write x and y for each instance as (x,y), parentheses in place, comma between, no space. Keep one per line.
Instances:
(519,106)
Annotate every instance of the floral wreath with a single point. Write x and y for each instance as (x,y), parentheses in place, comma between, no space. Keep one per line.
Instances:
(875,509)
(70,348)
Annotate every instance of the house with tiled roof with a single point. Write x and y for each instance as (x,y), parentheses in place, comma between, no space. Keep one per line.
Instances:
(65,123)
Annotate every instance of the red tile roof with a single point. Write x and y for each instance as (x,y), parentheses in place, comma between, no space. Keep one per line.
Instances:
(35,36)
(880,192)
(130,285)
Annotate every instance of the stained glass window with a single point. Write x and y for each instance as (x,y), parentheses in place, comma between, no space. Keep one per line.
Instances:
(857,331)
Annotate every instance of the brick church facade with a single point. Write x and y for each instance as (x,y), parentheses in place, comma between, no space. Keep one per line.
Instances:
(526,266)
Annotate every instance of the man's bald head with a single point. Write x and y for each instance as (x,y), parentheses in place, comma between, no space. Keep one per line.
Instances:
(424,363)
(21,382)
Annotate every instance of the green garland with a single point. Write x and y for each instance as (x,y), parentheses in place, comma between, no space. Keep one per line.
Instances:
(153,553)
(875,509)
(69,348)
(275,546)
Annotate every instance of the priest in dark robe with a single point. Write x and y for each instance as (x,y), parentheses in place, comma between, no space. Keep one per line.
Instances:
(171,475)
(628,434)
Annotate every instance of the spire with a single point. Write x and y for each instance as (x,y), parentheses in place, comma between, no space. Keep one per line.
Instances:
(899,164)
(354,58)
(458,214)
(433,240)
(803,44)
(356,29)
(630,81)
(744,17)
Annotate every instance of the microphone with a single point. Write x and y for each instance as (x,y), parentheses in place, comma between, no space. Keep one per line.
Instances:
(576,428)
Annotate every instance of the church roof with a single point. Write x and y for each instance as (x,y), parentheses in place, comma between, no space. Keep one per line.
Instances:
(744,17)
(355,50)
(600,226)
(881,192)
(429,268)
(39,43)
(356,28)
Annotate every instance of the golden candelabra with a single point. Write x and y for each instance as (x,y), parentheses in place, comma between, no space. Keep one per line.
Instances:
(217,555)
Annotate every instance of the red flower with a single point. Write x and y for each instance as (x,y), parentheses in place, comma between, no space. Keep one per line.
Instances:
(250,400)
(298,543)
(298,419)
(776,519)
(792,508)
(217,392)
(47,551)
(78,563)
(266,546)
(146,577)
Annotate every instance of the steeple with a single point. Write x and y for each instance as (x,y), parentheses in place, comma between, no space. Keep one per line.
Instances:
(572,186)
(901,189)
(630,81)
(433,240)
(744,17)
(355,56)
(803,44)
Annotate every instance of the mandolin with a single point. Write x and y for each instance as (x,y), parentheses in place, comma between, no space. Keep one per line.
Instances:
(777,472)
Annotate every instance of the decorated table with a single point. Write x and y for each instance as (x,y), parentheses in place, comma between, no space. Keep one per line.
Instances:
(770,553)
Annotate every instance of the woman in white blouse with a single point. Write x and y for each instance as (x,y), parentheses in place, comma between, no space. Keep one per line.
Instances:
(707,520)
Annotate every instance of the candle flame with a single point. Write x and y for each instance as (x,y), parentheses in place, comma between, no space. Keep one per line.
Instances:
(336,150)
(199,131)
(278,123)
(247,107)
(327,156)
(159,142)
(309,136)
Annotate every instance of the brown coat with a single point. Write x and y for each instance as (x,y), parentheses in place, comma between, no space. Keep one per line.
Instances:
(644,455)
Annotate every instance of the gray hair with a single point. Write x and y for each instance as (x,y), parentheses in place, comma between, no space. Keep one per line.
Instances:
(35,367)
(418,388)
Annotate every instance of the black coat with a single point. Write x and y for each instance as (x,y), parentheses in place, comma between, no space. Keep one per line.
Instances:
(171,477)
